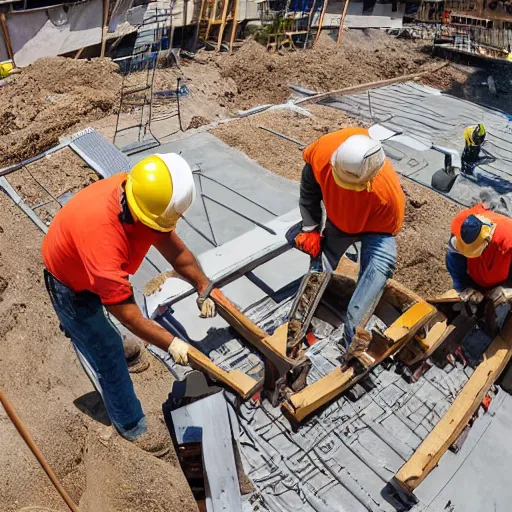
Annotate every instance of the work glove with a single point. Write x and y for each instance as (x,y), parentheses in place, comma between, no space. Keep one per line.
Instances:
(178,349)
(205,303)
(500,295)
(309,242)
(471,295)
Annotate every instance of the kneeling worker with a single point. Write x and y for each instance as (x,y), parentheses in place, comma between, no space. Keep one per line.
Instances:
(94,243)
(364,202)
(479,255)
(474,137)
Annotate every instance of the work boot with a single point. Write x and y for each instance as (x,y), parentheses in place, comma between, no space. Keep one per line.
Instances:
(135,354)
(156,440)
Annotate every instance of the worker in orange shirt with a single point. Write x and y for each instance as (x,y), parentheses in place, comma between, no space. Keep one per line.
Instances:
(94,243)
(348,171)
(479,257)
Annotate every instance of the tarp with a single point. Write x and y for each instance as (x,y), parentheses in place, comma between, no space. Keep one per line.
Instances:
(54,31)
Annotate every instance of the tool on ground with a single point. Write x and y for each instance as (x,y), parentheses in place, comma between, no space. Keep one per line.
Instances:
(16,420)
(444,178)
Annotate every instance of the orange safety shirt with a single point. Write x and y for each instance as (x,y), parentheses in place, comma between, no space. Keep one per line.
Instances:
(379,210)
(492,267)
(88,248)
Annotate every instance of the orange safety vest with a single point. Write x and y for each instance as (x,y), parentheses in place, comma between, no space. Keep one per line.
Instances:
(379,210)
(492,267)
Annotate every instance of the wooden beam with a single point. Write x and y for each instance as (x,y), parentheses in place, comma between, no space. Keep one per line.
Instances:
(240,382)
(449,296)
(321,22)
(223,24)
(257,337)
(430,451)
(371,85)
(342,23)
(234,27)
(7,39)
(105,28)
(78,53)
(299,405)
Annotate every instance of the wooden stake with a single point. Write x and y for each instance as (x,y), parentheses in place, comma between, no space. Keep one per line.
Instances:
(430,451)
(7,39)
(233,28)
(370,85)
(105,28)
(78,53)
(16,420)
(199,20)
(223,24)
(342,23)
(321,22)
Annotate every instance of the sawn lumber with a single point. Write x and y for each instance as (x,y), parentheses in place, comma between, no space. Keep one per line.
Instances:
(430,451)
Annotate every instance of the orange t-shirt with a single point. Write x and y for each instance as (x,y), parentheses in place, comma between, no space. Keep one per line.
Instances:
(381,210)
(88,248)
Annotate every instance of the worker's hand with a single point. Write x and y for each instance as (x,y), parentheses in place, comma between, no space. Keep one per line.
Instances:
(471,295)
(309,242)
(178,350)
(500,295)
(205,303)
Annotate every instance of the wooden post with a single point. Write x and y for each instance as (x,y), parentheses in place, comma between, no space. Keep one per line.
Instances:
(310,19)
(321,22)
(234,27)
(342,23)
(105,28)
(7,39)
(199,20)
(223,23)
(213,14)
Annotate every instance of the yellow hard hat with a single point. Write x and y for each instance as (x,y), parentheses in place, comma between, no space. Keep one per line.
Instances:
(159,189)
(476,233)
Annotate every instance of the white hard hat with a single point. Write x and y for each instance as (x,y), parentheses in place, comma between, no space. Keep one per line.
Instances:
(357,161)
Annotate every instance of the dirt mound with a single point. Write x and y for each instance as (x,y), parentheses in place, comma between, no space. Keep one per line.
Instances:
(48,98)
(365,56)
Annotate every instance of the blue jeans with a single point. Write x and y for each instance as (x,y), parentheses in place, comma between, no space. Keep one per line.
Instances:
(99,347)
(376,266)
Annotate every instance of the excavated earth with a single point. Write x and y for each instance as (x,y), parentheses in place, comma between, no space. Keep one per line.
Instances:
(39,371)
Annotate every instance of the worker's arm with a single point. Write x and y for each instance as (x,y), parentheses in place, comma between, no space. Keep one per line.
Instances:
(457,266)
(310,200)
(129,314)
(183,261)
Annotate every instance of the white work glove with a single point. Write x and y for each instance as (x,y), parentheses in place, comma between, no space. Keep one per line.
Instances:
(500,295)
(178,350)
(471,295)
(205,304)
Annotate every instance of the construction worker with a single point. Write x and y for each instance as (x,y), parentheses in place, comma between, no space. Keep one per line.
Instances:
(474,137)
(94,243)
(479,255)
(348,171)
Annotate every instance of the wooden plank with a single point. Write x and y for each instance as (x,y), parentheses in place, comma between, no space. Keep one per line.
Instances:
(7,39)
(222,25)
(301,404)
(78,53)
(342,23)
(449,296)
(234,27)
(415,317)
(428,454)
(321,22)
(279,339)
(221,477)
(371,85)
(240,382)
(257,337)
(319,393)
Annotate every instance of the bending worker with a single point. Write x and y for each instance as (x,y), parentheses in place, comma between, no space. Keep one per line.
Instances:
(94,242)
(474,137)
(479,255)
(364,202)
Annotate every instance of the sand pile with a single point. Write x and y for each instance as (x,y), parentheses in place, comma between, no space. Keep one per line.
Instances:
(365,56)
(48,98)
(422,241)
